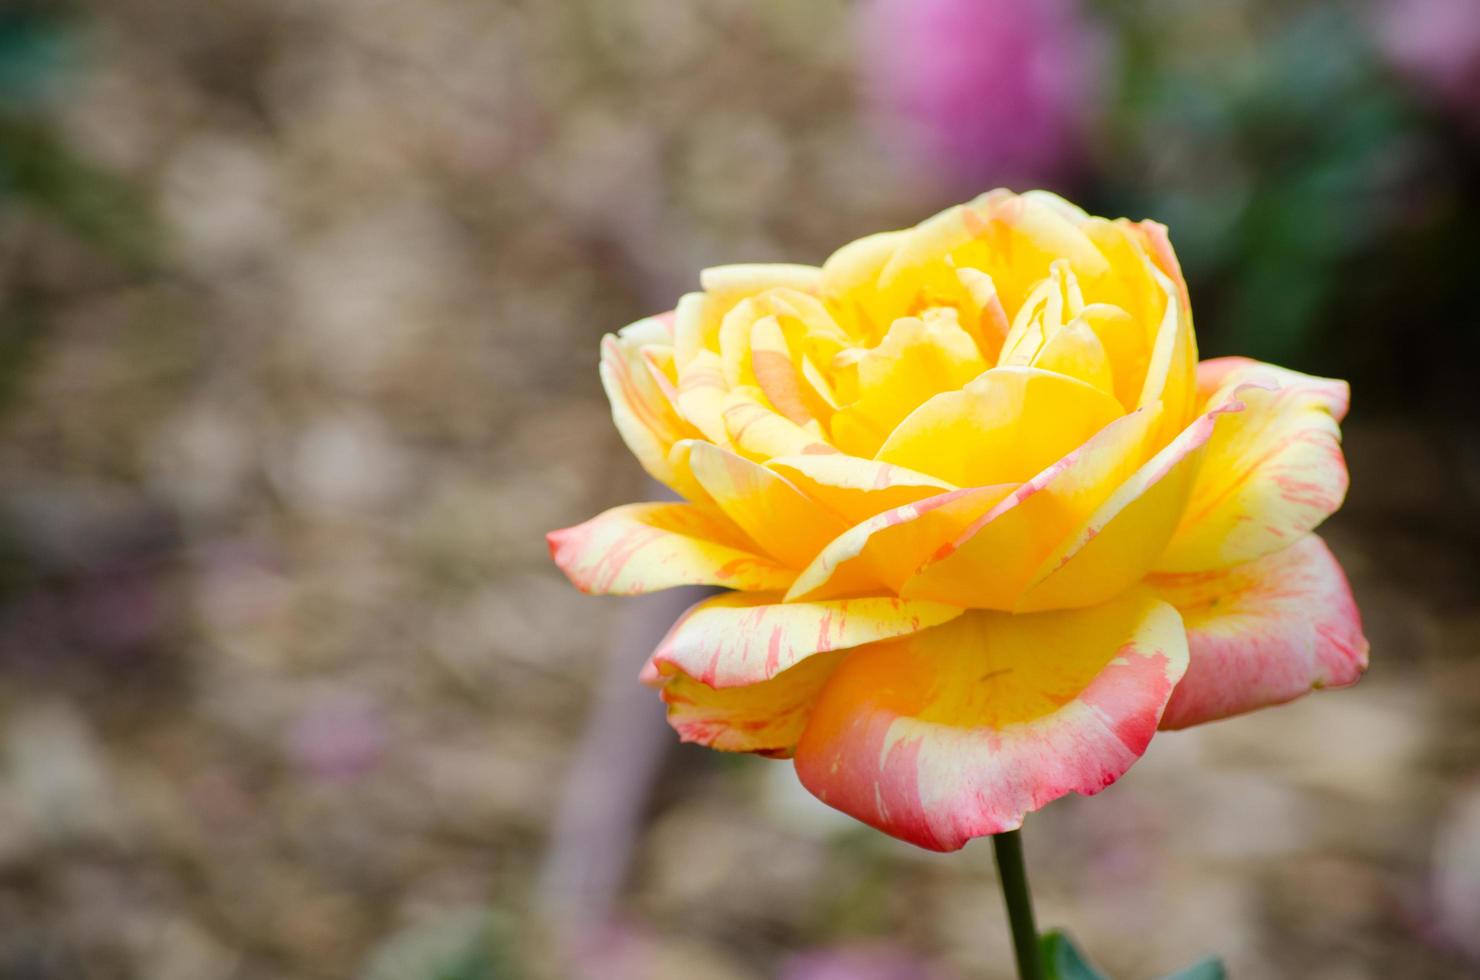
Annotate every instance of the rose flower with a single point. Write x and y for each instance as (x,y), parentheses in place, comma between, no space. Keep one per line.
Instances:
(986,520)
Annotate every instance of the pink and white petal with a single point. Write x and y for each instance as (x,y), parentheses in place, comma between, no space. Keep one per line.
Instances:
(1263,633)
(961,730)
(778,517)
(1219,374)
(766,718)
(1270,474)
(736,639)
(638,548)
(856,488)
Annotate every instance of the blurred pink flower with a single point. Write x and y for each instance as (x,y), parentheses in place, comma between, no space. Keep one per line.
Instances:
(1436,43)
(984,92)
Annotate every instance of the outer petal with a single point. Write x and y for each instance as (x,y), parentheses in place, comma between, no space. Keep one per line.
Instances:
(639,548)
(1270,475)
(734,640)
(959,731)
(767,718)
(644,415)
(1263,633)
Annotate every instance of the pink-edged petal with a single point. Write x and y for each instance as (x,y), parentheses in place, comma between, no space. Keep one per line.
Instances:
(639,548)
(1263,633)
(735,639)
(961,730)
(1270,475)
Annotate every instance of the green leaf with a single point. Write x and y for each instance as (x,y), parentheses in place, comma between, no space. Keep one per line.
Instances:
(1208,969)
(1063,960)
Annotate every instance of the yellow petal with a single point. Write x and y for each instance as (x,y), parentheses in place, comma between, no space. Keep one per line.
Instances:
(761,433)
(731,283)
(701,396)
(1171,373)
(785,522)
(883,552)
(1076,351)
(645,418)
(850,280)
(917,359)
(982,313)
(1004,427)
(777,370)
(856,488)
(1127,347)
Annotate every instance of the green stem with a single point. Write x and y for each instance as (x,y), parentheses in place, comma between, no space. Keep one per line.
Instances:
(1008,849)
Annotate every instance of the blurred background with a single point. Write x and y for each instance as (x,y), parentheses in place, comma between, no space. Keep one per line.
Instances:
(298,332)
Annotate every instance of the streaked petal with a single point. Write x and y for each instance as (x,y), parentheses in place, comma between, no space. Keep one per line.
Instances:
(767,718)
(785,522)
(990,564)
(1121,541)
(734,640)
(883,551)
(960,730)
(1263,633)
(1003,427)
(1270,474)
(639,548)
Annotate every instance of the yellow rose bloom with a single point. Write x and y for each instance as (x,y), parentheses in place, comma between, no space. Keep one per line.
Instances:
(987,520)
